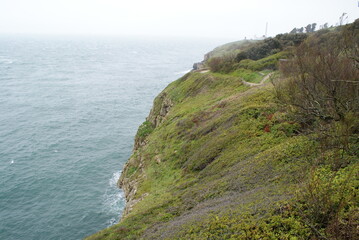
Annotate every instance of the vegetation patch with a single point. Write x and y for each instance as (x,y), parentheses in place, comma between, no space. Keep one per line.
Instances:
(275,161)
(144,130)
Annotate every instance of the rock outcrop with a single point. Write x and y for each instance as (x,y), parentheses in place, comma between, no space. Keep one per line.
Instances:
(158,113)
(162,106)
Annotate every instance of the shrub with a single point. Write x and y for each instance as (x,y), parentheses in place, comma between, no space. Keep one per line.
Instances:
(287,40)
(144,130)
(260,50)
(320,86)
(221,64)
(322,81)
(215,64)
(270,46)
(329,203)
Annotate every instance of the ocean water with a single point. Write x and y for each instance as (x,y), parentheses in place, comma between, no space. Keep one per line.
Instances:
(69,110)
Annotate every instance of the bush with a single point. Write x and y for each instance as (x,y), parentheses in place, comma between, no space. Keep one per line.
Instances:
(270,46)
(288,40)
(215,64)
(221,64)
(260,50)
(271,62)
(320,86)
(322,81)
(329,203)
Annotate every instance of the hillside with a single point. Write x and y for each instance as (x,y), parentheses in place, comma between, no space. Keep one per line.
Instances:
(220,159)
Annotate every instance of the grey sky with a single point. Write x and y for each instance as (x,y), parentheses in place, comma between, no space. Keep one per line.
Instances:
(230,19)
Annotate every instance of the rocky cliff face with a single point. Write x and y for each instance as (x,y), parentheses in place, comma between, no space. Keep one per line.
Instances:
(158,113)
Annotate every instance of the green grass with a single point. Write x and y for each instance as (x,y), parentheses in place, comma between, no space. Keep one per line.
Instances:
(270,62)
(249,75)
(229,162)
(144,130)
(213,144)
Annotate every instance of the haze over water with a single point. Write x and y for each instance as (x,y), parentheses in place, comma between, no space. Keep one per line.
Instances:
(70,108)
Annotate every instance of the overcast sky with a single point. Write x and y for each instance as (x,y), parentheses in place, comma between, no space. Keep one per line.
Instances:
(230,19)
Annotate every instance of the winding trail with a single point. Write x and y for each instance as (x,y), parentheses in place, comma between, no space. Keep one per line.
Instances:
(265,78)
(257,84)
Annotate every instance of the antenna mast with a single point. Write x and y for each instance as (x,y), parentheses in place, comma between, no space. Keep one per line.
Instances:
(266,30)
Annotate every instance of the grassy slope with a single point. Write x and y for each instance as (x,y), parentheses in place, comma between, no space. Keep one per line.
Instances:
(230,48)
(217,159)
(228,162)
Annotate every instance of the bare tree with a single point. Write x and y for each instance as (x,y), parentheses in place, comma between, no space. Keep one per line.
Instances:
(321,83)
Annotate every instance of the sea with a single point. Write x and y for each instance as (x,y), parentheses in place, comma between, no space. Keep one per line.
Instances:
(70,107)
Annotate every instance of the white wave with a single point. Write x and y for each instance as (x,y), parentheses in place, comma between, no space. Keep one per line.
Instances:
(111,222)
(113,180)
(113,199)
(182,72)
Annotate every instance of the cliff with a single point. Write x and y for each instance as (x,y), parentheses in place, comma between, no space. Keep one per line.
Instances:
(136,163)
(220,159)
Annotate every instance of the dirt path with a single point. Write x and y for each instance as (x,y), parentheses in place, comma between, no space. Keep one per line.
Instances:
(257,84)
(265,78)
(205,70)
